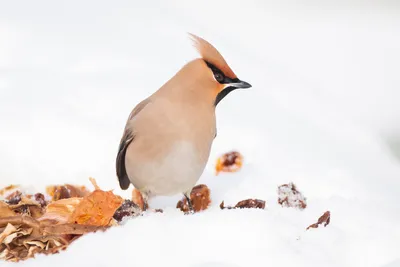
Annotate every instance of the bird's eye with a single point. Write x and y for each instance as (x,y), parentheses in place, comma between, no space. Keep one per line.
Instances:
(219,77)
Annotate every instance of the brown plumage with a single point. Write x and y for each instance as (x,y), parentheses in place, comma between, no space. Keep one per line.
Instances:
(210,53)
(168,136)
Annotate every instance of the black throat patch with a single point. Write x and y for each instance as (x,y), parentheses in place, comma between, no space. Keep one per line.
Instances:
(222,79)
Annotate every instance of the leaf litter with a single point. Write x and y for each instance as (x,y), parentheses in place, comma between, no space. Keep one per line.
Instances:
(47,223)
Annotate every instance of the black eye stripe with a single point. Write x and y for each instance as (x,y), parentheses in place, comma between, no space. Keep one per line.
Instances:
(217,72)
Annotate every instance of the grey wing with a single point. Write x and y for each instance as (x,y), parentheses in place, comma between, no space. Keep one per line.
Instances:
(126,139)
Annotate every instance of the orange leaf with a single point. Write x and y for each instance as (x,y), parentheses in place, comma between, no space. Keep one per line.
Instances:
(61,210)
(97,208)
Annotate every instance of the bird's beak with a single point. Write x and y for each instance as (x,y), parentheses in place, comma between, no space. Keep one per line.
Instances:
(236,83)
(232,84)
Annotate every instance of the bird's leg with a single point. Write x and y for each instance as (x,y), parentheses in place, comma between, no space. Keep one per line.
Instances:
(145,198)
(191,210)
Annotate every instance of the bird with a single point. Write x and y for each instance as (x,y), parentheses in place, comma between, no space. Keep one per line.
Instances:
(168,136)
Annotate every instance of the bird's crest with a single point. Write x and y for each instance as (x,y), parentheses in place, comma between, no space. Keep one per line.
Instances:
(210,54)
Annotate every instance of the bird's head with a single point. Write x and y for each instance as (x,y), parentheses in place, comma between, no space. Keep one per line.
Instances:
(219,71)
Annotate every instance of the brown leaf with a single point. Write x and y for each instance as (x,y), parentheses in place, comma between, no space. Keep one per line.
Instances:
(23,220)
(14,198)
(5,210)
(200,198)
(61,210)
(71,229)
(20,232)
(248,203)
(7,189)
(36,211)
(289,196)
(324,219)
(229,162)
(27,206)
(58,192)
(97,208)
(10,229)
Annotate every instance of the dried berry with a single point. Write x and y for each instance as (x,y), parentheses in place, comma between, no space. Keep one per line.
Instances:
(289,196)
(14,198)
(229,162)
(39,197)
(248,203)
(127,209)
(200,198)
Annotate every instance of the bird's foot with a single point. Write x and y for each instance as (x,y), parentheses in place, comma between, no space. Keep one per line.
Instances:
(190,205)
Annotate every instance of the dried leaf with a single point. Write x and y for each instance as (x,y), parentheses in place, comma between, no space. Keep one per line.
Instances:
(58,192)
(39,244)
(289,196)
(20,232)
(14,198)
(39,197)
(324,219)
(97,208)
(94,183)
(127,209)
(248,203)
(61,210)
(24,220)
(200,198)
(36,211)
(7,189)
(27,206)
(7,231)
(5,210)
(71,229)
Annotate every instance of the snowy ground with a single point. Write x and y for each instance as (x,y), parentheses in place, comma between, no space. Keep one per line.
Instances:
(323,112)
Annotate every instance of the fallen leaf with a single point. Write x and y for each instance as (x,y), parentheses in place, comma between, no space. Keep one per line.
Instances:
(229,162)
(248,204)
(10,229)
(289,196)
(20,232)
(97,208)
(14,198)
(200,198)
(27,206)
(58,192)
(24,220)
(7,189)
(71,229)
(5,210)
(39,197)
(324,219)
(61,210)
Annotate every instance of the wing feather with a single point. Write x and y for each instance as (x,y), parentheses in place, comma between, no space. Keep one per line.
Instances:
(127,138)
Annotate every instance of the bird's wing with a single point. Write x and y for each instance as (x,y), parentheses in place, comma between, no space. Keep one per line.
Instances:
(126,139)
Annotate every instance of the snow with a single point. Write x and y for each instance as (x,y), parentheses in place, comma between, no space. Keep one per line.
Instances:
(323,113)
